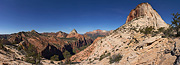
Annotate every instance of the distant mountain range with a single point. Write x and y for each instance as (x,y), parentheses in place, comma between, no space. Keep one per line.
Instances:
(98,33)
(59,41)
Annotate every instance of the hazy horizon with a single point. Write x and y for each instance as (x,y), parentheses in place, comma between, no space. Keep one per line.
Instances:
(66,15)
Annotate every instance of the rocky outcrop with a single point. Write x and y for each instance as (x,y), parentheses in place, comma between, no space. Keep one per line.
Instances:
(57,34)
(146,16)
(73,33)
(12,56)
(135,47)
(62,34)
(85,53)
(50,51)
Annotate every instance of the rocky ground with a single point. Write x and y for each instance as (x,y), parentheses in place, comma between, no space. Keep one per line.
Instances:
(127,45)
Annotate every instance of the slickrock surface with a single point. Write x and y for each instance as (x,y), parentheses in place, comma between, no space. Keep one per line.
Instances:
(135,47)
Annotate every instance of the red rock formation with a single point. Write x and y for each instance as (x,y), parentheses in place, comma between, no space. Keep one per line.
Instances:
(57,34)
(44,41)
(85,53)
(62,34)
(73,33)
(98,33)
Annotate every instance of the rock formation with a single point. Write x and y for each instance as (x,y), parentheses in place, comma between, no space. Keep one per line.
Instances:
(73,33)
(62,34)
(124,46)
(131,47)
(145,15)
(85,53)
(49,44)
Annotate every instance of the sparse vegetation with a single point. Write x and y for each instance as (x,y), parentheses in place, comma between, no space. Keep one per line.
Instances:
(83,47)
(115,58)
(32,56)
(2,47)
(95,36)
(147,30)
(168,32)
(55,58)
(67,61)
(19,47)
(104,55)
(162,29)
(176,23)
(66,54)
(69,38)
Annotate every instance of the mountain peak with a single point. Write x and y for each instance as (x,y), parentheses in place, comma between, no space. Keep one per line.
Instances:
(144,12)
(143,5)
(73,31)
(143,9)
(33,31)
(61,34)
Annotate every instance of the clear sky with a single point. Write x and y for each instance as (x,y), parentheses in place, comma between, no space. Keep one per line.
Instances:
(65,15)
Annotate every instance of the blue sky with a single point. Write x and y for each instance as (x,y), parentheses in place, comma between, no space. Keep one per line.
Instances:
(65,15)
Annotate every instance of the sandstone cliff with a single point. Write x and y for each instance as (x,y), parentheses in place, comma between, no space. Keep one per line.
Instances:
(145,15)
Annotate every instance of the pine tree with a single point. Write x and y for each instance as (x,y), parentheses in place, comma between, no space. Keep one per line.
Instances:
(176,23)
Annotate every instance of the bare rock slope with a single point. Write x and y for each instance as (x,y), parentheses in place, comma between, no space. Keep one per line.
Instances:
(145,15)
(131,47)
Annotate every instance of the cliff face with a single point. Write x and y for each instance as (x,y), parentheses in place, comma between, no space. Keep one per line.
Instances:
(82,55)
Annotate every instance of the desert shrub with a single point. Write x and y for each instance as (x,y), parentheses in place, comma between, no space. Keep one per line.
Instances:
(19,47)
(162,29)
(83,47)
(52,62)
(55,58)
(67,54)
(31,55)
(115,58)
(168,32)
(67,61)
(147,30)
(104,55)
(75,50)
(1,46)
